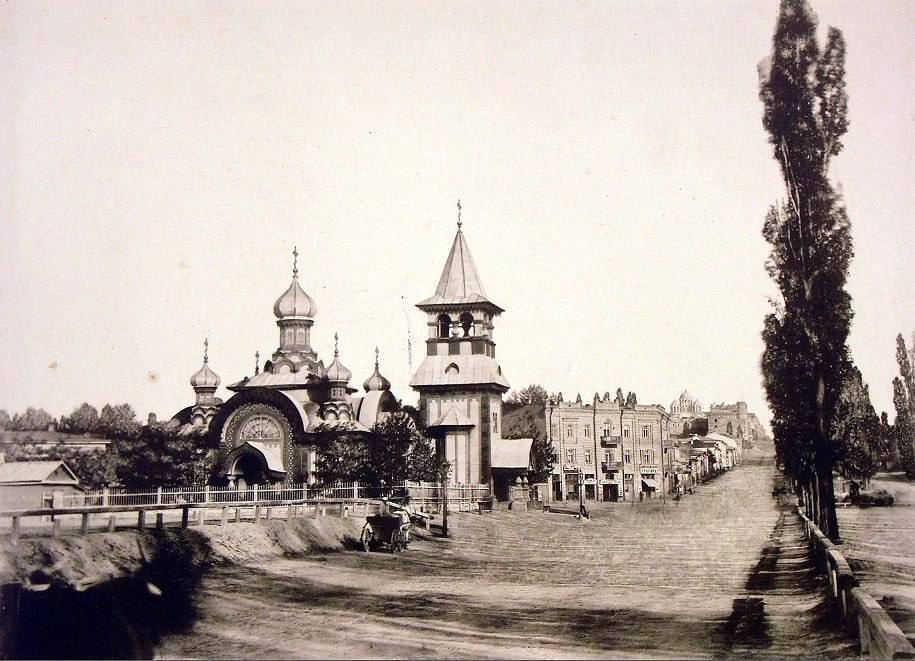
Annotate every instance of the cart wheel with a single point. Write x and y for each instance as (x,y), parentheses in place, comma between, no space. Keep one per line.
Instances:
(366,537)
(396,542)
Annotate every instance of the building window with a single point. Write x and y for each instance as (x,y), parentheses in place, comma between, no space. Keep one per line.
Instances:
(587,431)
(608,428)
(554,430)
(607,459)
(627,456)
(625,432)
(444,325)
(647,456)
(612,454)
(588,457)
(570,432)
(570,455)
(646,431)
(495,422)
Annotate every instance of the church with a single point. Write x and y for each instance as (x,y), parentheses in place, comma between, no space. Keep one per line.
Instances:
(460,383)
(265,432)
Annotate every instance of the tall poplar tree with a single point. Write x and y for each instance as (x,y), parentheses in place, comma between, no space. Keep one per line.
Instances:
(806,359)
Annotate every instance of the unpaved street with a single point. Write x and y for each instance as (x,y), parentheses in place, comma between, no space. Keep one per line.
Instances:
(722,572)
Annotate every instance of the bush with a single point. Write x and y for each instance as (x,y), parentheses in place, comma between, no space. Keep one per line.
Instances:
(881,498)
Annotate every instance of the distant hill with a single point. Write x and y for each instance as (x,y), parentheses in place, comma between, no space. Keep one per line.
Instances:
(523,421)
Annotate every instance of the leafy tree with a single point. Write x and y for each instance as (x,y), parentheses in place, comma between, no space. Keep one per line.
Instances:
(857,428)
(341,456)
(422,461)
(803,93)
(904,403)
(32,420)
(84,419)
(118,420)
(151,457)
(5,421)
(532,394)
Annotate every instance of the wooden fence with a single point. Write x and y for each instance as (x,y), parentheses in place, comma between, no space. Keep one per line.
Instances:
(427,496)
(878,636)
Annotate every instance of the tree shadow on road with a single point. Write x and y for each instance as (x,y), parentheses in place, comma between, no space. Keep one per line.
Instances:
(438,614)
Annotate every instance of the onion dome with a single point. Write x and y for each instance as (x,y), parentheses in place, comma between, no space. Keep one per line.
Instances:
(205,377)
(295,302)
(336,371)
(376,381)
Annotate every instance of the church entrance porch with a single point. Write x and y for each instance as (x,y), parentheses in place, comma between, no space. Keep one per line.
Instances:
(254,463)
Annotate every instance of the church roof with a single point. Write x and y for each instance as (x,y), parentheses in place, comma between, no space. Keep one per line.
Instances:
(453,418)
(460,282)
(474,369)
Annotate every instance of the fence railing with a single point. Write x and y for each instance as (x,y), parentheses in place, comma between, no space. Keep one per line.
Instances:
(427,496)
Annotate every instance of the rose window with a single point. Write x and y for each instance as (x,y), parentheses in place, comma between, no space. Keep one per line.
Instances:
(260,428)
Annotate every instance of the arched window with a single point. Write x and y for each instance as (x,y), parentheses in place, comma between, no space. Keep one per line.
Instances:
(444,325)
(467,324)
(452,369)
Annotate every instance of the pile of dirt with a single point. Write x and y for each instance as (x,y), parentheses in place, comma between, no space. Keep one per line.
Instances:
(79,561)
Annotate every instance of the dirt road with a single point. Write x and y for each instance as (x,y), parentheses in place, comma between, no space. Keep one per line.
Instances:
(722,572)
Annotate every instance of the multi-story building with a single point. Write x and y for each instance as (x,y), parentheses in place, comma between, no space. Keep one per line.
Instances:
(736,421)
(612,452)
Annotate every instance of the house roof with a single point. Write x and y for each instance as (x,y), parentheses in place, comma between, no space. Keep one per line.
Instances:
(727,440)
(37,472)
(460,282)
(511,453)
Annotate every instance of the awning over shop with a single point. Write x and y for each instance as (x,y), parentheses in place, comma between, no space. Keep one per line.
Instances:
(649,482)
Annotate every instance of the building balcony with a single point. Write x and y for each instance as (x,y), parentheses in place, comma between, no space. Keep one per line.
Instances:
(609,441)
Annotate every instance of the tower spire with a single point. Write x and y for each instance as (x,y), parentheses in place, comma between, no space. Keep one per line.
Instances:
(206,349)
(376,358)
(336,342)
(295,262)
(257,362)
(459,213)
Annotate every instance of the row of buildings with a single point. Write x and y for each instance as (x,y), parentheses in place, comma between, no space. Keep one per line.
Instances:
(609,450)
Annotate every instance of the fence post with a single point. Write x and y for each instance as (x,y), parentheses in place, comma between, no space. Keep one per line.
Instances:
(224,516)
(257,514)
(268,513)
(255,493)
(141,519)
(160,520)
(237,515)
(112,522)
(185,511)
(158,495)
(290,512)
(84,528)
(355,491)
(14,533)
(55,528)
(105,497)
(206,493)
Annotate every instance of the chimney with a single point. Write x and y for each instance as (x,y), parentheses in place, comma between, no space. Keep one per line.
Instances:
(151,420)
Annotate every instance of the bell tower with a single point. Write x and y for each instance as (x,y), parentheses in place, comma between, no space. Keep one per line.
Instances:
(460,384)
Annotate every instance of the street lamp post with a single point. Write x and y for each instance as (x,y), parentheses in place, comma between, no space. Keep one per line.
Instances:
(581,491)
(446,468)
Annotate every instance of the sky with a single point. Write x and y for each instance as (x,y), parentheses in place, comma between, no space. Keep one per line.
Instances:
(159,161)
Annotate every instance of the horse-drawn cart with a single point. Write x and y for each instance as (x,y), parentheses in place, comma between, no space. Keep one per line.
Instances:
(381,530)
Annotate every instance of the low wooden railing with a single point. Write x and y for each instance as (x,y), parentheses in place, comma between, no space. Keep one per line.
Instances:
(878,636)
(191,514)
